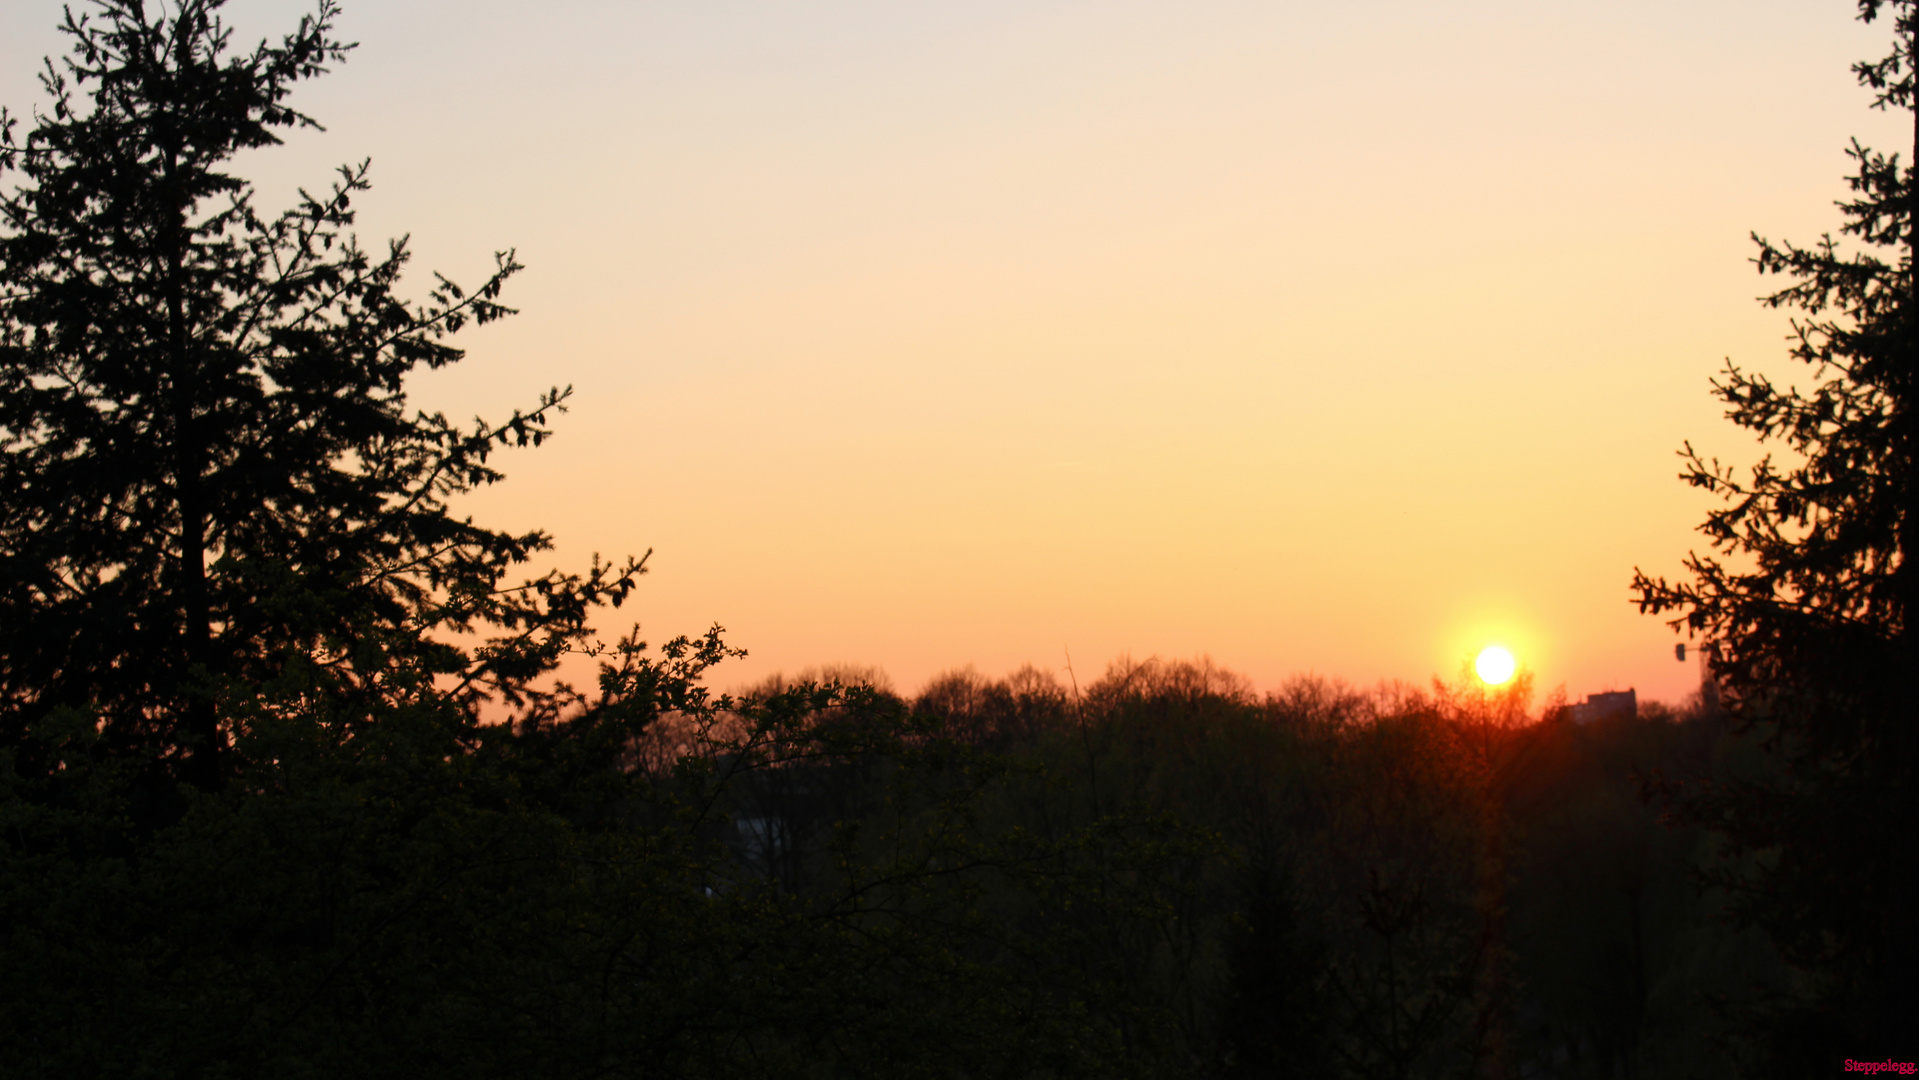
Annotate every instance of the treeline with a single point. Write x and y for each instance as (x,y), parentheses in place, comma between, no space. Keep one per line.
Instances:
(1163,875)
(1392,883)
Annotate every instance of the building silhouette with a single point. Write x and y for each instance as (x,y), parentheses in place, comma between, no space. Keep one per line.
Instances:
(1605,706)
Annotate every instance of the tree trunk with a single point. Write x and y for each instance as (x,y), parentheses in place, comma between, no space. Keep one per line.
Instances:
(198,724)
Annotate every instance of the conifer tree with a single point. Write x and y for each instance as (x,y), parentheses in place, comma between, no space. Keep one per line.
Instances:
(209,476)
(285,785)
(1809,596)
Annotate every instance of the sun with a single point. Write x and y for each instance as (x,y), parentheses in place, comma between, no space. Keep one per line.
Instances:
(1495,665)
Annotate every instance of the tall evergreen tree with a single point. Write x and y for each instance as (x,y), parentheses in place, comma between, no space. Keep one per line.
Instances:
(208,471)
(258,815)
(1809,598)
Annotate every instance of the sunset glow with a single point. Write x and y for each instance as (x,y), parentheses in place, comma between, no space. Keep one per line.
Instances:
(1495,665)
(927,335)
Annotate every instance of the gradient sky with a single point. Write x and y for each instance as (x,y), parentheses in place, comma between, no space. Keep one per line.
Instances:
(1317,338)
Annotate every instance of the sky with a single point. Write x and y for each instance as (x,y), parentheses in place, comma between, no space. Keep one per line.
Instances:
(1330,339)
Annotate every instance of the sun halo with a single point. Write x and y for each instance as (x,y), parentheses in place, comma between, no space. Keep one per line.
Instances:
(1495,665)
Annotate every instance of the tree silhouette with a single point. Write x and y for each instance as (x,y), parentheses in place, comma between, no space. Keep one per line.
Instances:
(287,784)
(1810,594)
(209,479)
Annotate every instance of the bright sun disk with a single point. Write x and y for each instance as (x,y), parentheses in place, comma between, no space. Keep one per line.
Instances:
(1495,665)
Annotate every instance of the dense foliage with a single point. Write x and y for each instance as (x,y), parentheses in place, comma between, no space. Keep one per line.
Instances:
(1807,601)
(211,483)
(1407,884)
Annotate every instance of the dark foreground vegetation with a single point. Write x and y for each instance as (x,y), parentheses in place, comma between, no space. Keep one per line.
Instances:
(290,786)
(1164,876)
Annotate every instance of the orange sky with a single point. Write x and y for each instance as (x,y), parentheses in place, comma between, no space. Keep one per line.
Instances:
(1317,338)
